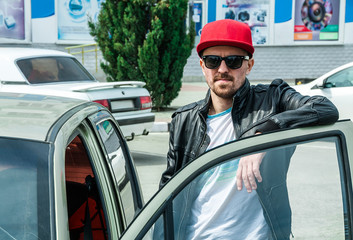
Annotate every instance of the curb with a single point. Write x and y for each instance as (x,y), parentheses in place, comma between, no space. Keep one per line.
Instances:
(160,127)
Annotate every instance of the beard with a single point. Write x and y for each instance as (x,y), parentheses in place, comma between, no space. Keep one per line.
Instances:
(224,90)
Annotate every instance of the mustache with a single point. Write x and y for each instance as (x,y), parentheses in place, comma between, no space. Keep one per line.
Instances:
(225,76)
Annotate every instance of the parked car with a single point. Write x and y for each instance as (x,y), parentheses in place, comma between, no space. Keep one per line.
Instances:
(336,85)
(57,155)
(66,173)
(41,71)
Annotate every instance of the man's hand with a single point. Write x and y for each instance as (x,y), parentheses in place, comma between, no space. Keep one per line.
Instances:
(248,170)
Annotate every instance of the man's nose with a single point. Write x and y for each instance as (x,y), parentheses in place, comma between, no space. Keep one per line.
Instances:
(223,67)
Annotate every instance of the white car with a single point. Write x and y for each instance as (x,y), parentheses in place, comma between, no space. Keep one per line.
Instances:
(50,72)
(336,85)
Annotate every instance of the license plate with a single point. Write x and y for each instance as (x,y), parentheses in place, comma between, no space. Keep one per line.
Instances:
(122,104)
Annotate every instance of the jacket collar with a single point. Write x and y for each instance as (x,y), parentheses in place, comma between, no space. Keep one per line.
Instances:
(206,104)
(242,92)
(238,96)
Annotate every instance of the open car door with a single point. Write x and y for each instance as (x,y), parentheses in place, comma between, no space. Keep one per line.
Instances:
(316,184)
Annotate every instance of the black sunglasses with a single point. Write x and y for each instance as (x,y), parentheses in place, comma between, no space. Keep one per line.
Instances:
(233,62)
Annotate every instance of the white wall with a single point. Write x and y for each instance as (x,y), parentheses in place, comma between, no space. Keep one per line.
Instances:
(45,30)
(348,33)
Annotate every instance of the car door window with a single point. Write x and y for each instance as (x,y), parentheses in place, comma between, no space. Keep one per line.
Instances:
(303,195)
(85,208)
(343,78)
(116,156)
(24,197)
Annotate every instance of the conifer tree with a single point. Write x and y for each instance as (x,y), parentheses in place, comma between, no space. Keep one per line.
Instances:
(120,29)
(166,49)
(146,41)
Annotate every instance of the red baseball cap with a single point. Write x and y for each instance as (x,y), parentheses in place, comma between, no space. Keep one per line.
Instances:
(226,32)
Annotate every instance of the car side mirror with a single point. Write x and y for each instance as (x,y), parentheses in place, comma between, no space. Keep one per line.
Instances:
(323,84)
(328,85)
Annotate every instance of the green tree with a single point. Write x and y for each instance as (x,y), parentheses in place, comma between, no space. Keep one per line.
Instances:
(121,28)
(167,48)
(147,41)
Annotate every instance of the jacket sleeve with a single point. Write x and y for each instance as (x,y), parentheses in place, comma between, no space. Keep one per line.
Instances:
(296,110)
(171,157)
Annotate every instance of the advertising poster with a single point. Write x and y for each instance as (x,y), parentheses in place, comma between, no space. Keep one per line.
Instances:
(316,20)
(73,18)
(197,17)
(12,19)
(254,13)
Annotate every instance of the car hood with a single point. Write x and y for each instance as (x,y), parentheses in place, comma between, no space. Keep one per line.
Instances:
(306,88)
(301,88)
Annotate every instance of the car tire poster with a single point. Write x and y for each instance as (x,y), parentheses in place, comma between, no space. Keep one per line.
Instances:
(316,20)
(254,13)
(73,18)
(12,19)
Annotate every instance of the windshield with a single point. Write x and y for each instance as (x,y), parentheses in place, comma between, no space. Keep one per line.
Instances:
(24,186)
(53,69)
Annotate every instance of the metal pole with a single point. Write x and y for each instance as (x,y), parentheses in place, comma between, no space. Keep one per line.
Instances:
(96,50)
(83,56)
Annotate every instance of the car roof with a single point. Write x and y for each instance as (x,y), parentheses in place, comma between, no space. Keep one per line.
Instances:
(8,57)
(18,52)
(30,116)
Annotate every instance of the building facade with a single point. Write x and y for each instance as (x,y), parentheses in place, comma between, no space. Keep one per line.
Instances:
(294,39)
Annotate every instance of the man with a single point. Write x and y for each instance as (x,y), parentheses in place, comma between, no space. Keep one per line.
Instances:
(232,110)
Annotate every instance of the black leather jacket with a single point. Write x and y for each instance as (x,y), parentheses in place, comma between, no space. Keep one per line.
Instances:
(260,108)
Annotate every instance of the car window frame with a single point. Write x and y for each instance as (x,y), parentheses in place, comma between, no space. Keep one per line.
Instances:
(94,120)
(59,136)
(100,172)
(162,201)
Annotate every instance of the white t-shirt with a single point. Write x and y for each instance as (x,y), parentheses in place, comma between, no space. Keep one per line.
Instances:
(220,211)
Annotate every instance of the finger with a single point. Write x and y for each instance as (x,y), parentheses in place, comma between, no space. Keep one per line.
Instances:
(256,172)
(239,177)
(251,178)
(245,179)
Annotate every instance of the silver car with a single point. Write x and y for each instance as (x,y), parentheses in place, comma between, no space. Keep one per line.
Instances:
(65,169)
(66,173)
(41,71)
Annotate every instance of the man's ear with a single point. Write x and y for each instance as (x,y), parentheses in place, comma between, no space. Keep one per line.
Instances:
(250,65)
(202,65)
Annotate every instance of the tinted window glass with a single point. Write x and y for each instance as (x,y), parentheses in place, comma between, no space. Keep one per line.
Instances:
(343,78)
(118,166)
(300,195)
(53,69)
(24,198)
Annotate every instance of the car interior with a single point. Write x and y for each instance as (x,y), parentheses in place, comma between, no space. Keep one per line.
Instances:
(85,212)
